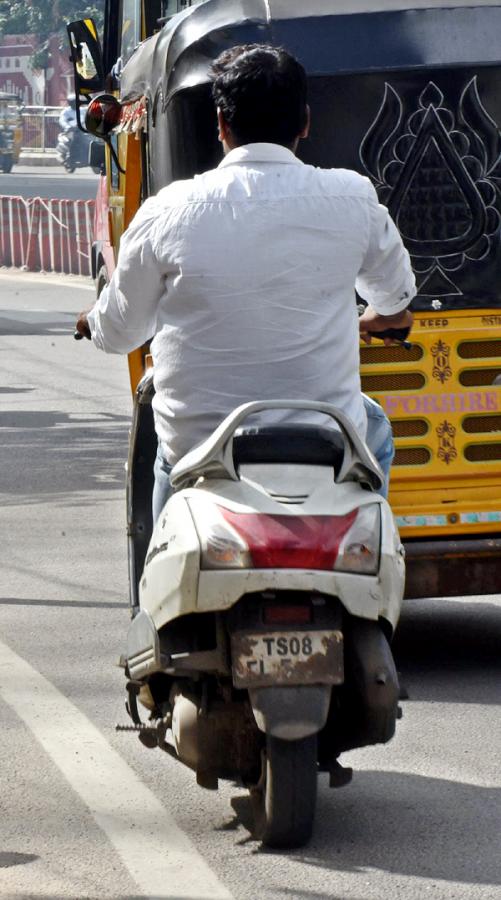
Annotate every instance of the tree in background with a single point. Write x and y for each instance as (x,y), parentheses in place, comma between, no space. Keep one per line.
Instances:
(45,18)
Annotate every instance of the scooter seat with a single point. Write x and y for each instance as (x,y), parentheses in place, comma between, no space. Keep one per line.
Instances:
(306,444)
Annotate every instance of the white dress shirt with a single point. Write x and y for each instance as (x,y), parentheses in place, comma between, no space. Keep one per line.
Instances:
(246,276)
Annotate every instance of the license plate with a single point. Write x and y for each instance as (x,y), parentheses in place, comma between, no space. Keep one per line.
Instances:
(285,657)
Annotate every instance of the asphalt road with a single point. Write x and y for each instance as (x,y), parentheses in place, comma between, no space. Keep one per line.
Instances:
(91,815)
(51,183)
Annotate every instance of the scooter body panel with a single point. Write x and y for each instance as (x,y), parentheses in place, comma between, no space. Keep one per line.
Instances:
(173,583)
(169,584)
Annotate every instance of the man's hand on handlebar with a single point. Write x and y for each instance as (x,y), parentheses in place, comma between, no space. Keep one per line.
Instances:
(372,324)
(82,327)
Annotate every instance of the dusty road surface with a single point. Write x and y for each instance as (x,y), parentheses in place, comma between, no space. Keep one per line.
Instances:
(51,183)
(87,814)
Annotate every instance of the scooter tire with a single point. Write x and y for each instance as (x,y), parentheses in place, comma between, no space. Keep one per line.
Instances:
(285,800)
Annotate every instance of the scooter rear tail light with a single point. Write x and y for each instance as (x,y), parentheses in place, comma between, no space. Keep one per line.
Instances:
(349,543)
(289,542)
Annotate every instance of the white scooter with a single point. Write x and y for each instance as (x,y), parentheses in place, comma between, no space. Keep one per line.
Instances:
(270,589)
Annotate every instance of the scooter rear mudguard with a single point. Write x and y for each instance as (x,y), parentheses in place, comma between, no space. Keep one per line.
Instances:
(291,713)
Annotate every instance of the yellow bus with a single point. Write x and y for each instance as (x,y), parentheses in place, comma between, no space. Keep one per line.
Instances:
(409,96)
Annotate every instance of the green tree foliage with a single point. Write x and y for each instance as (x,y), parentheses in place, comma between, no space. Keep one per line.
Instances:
(45,18)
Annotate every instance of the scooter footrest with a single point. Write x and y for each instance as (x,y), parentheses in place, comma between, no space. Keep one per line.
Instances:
(339,776)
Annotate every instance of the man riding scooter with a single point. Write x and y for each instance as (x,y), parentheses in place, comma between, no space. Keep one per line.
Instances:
(68,117)
(72,144)
(246,275)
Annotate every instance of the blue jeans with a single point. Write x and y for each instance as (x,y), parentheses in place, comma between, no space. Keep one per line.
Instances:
(379,439)
(162,488)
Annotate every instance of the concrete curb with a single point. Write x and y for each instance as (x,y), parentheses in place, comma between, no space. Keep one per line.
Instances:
(37,158)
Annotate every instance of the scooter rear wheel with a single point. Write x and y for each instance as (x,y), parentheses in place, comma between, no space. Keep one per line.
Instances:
(284,801)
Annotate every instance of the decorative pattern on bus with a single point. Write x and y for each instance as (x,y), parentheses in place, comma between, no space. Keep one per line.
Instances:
(447,451)
(435,165)
(441,353)
(482,517)
(446,424)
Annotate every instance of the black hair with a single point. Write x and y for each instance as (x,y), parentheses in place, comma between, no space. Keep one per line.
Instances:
(262,93)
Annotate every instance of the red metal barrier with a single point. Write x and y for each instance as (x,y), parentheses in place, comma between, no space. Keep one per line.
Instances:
(46,235)
(14,227)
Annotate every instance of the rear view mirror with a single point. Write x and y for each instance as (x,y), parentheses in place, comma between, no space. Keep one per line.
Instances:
(87,60)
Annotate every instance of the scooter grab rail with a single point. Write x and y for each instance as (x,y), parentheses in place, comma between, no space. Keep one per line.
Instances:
(213,458)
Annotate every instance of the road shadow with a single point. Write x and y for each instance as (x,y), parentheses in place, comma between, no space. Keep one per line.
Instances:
(285,892)
(50,454)
(63,604)
(402,824)
(302,894)
(16,390)
(448,650)
(8,859)
(42,324)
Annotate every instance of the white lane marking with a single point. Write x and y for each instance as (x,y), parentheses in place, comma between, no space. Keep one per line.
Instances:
(158,854)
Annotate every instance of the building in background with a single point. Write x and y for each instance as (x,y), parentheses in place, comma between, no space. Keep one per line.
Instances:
(35,87)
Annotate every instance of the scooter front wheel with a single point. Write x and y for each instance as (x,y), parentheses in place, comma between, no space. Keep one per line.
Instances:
(284,801)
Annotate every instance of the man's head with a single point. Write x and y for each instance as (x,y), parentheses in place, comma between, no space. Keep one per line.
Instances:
(261,96)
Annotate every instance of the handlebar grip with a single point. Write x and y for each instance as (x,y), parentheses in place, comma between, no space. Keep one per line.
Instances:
(395,334)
